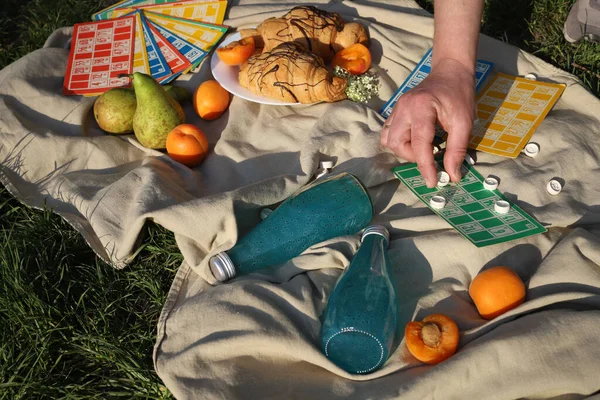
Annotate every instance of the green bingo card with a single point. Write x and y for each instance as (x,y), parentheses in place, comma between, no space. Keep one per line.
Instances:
(470,207)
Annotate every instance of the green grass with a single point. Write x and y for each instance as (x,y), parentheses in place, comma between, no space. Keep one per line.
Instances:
(536,26)
(73,327)
(70,325)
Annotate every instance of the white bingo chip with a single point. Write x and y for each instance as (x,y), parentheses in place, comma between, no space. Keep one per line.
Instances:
(437,202)
(443,178)
(502,207)
(532,149)
(531,76)
(469,159)
(554,187)
(490,183)
(326,164)
(265,212)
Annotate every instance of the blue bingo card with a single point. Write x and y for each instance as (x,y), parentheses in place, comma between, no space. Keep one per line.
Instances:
(159,67)
(191,52)
(483,69)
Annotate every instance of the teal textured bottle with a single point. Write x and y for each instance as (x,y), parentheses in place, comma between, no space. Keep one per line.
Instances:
(360,318)
(328,207)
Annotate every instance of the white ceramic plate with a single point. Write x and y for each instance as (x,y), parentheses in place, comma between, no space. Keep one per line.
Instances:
(227,76)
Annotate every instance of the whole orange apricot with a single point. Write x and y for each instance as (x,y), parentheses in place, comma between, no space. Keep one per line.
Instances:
(496,290)
(211,100)
(187,144)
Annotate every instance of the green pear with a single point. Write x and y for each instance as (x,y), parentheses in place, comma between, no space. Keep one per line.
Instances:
(114,110)
(179,93)
(156,114)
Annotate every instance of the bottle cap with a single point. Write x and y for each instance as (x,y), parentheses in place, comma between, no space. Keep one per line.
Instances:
(554,187)
(437,202)
(376,230)
(222,267)
(532,149)
(443,178)
(265,212)
(490,183)
(469,159)
(326,164)
(502,206)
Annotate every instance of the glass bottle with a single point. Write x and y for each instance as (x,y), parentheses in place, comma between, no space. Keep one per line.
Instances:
(327,208)
(361,314)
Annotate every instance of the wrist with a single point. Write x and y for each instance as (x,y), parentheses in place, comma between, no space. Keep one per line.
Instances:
(466,64)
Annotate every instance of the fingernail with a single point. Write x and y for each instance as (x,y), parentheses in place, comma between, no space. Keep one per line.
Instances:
(428,183)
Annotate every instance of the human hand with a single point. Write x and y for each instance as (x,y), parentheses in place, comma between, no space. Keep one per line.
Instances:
(446,96)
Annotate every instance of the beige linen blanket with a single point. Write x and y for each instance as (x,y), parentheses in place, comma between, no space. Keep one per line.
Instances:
(257,337)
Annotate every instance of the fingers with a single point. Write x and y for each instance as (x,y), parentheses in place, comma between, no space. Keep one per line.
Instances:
(396,135)
(422,137)
(456,146)
(385,131)
(411,139)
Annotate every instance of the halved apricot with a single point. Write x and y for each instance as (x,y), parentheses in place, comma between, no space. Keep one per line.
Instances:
(235,53)
(355,59)
(432,340)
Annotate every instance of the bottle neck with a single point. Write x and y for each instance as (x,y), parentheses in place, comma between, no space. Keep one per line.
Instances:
(376,230)
(371,254)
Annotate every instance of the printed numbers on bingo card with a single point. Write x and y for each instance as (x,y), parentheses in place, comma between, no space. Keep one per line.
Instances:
(122,23)
(84,49)
(98,76)
(471,227)
(208,36)
(83,63)
(118,81)
(104,33)
(120,66)
(101,61)
(85,42)
(501,231)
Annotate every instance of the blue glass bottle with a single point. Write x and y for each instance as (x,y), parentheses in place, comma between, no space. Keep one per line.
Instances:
(329,207)
(361,315)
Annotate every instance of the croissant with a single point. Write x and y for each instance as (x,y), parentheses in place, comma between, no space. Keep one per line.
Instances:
(289,73)
(319,31)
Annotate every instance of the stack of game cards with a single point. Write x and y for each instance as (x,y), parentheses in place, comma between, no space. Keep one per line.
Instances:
(161,38)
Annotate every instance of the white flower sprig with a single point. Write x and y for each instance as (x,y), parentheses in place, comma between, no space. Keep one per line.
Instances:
(360,88)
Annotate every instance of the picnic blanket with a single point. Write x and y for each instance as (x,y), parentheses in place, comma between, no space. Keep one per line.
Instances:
(258,336)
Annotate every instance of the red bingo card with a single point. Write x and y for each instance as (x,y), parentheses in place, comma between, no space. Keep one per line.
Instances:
(176,61)
(100,52)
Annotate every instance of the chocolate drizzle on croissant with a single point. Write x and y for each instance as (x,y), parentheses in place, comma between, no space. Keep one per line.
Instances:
(318,31)
(292,74)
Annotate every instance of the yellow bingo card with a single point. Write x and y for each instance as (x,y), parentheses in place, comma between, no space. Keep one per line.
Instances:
(199,10)
(140,55)
(202,35)
(510,109)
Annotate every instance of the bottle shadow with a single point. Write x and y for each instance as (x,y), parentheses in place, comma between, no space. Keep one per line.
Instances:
(412,276)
